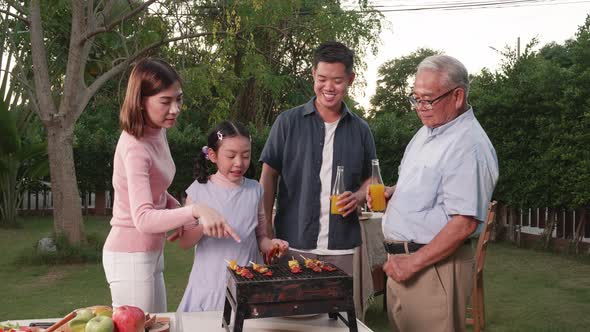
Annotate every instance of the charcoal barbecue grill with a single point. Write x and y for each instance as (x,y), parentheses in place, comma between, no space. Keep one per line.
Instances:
(287,294)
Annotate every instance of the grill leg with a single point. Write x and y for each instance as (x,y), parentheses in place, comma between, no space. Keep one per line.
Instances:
(239,321)
(333,315)
(352,327)
(226,314)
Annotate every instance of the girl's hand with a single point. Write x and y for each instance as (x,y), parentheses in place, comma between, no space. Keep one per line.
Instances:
(213,223)
(284,245)
(272,250)
(267,245)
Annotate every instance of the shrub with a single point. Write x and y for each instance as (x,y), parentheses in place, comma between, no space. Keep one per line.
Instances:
(90,252)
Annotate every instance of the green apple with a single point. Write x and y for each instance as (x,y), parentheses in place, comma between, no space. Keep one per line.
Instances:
(84,314)
(100,324)
(78,324)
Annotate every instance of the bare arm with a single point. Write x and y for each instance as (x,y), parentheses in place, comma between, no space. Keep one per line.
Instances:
(268,181)
(188,236)
(445,243)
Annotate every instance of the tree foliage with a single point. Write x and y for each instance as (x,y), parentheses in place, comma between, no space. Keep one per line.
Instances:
(264,65)
(243,60)
(536,112)
(535,109)
(395,82)
(23,156)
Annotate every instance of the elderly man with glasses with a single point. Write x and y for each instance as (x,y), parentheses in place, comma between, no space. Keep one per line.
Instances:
(446,180)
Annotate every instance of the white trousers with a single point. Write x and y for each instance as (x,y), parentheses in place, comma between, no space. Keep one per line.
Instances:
(136,278)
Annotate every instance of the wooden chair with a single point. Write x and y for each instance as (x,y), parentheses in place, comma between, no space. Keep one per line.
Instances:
(477,308)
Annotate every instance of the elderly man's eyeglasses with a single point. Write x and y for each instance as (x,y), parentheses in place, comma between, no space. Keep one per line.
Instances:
(427,104)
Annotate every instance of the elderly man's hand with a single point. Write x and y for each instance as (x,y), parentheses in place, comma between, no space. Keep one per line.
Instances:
(400,267)
(388,192)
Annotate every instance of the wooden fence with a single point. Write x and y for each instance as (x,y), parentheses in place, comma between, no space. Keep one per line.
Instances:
(560,228)
(41,203)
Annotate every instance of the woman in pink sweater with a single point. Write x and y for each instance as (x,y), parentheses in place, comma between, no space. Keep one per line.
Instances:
(143,210)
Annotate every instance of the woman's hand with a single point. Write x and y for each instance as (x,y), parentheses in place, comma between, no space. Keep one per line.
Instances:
(213,223)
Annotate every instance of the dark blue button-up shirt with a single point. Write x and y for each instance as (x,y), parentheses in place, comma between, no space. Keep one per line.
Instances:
(294,148)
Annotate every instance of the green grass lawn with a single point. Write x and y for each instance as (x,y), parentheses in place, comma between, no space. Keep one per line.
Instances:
(525,290)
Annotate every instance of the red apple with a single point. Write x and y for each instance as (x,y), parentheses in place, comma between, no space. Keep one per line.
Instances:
(128,318)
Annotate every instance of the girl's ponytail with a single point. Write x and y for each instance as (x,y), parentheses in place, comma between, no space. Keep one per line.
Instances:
(201,172)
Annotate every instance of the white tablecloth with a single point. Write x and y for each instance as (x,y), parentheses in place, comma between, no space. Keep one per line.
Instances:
(210,321)
(367,257)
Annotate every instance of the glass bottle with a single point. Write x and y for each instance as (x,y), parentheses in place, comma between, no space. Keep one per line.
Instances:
(376,188)
(337,190)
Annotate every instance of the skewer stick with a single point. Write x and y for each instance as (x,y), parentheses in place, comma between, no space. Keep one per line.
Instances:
(251,262)
(303,257)
(227,261)
(64,320)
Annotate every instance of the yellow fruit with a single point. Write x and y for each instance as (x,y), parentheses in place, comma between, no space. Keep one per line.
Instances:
(102,310)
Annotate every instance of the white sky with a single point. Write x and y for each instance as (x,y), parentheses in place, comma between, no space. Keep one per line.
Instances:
(468,34)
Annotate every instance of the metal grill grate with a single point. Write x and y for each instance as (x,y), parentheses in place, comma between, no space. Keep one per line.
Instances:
(282,272)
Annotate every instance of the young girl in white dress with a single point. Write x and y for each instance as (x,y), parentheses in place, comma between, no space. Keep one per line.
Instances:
(239,200)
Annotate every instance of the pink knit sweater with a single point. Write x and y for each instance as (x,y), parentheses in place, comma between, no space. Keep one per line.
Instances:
(143,210)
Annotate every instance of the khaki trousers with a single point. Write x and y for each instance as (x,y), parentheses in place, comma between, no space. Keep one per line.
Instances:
(434,299)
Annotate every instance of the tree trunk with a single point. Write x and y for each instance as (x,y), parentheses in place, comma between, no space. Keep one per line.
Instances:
(67,212)
(579,231)
(245,108)
(9,195)
(511,224)
(549,226)
(100,203)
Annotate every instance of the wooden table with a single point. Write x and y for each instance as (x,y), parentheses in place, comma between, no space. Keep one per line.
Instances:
(210,321)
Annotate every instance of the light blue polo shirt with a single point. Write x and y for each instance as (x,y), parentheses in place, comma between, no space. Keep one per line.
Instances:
(449,170)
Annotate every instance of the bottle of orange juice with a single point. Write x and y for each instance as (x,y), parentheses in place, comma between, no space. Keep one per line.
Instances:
(376,188)
(337,190)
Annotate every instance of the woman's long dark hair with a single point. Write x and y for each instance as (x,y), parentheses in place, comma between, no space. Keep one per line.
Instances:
(224,129)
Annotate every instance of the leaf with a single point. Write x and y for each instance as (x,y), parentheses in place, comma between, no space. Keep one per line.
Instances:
(10,140)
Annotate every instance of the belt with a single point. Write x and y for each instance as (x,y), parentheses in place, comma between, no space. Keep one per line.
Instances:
(395,248)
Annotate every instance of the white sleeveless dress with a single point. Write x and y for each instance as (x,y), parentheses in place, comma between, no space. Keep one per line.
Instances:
(208,279)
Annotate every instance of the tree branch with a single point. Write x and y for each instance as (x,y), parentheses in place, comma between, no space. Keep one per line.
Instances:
(91,23)
(16,6)
(21,18)
(74,75)
(39,58)
(100,81)
(123,43)
(117,69)
(117,22)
